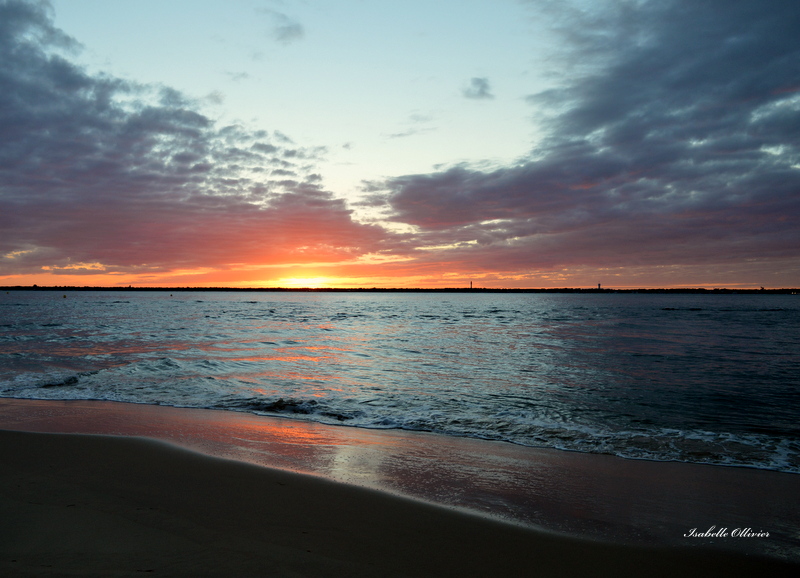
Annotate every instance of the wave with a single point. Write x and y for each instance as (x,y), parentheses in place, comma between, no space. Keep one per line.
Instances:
(451,418)
(681,378)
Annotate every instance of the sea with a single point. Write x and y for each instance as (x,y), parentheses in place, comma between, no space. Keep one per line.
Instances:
(698,378)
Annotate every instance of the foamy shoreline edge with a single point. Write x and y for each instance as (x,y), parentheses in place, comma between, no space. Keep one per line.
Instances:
(95,505)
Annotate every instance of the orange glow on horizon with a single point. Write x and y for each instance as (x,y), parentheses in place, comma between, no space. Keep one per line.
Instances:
(305,282)
(348,275)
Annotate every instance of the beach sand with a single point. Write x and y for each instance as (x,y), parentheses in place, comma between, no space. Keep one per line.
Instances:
(171,493)
(89,505)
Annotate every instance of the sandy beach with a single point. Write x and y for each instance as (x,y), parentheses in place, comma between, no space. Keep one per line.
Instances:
(109,489)
(80,505)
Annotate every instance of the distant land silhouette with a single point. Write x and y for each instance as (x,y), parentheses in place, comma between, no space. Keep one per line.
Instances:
(783,291)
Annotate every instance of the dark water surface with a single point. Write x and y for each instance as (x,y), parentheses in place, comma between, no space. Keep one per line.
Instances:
(695,378)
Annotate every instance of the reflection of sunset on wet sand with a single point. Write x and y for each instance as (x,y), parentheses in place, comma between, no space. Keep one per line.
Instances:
(135,505)
(486,288)
(599,497)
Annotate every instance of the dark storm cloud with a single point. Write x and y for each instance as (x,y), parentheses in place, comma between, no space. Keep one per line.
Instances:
(94,169)
(478,89)
(675,139)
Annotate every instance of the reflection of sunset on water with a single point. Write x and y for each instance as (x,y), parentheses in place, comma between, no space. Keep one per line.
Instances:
(287,358)
(595,496)
(565,371)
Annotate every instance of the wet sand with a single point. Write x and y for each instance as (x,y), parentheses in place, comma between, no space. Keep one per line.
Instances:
(92,505)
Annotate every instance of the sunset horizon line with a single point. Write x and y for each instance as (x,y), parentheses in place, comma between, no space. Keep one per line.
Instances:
(454,289)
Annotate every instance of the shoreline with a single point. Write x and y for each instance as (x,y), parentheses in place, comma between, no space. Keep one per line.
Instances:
(94,505)
(591,497)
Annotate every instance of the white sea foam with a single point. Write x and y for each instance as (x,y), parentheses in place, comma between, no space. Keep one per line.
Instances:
(639,376)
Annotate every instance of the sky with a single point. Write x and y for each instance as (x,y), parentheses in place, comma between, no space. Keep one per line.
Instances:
(377,143)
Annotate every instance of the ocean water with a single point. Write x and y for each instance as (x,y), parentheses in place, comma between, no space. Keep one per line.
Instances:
(695,378)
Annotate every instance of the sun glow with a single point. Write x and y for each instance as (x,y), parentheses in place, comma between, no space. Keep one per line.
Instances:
(305,282)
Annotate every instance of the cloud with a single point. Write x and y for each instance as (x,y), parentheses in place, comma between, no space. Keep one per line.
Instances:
(410,132)
(670,144)
(284,29)
(478,89)
(102,174)
(237,76)
(417,124)
(673,141)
